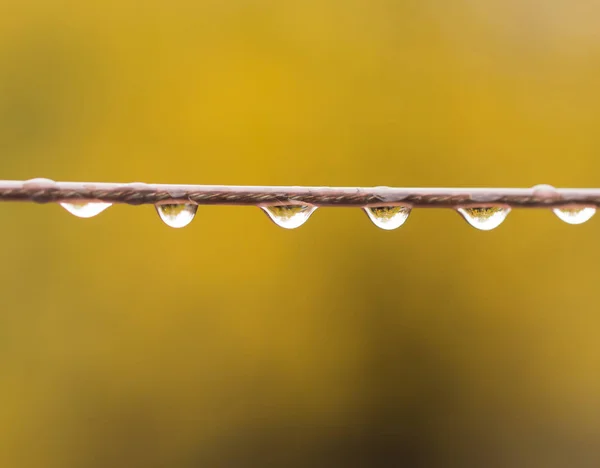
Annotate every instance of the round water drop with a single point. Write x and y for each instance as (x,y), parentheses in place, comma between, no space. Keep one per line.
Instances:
(388,217)
(177,215)
(289,216)
(577,215)
(85,210)
(485,218)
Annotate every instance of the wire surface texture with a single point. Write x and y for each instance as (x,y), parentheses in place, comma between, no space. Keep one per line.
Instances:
(48,191)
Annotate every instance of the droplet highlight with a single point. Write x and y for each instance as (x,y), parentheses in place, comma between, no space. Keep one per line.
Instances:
(485,218)
(85,210)
(387,217)
(576,215)
(289,216)
(177,215)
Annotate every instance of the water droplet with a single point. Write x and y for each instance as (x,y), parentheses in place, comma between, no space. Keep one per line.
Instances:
(546,190)
(388,217)
(289,216)
(485,218)
(85,210)
(575,215)
(177,215)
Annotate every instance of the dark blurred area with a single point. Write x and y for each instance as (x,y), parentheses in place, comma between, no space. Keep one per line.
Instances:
(234,343)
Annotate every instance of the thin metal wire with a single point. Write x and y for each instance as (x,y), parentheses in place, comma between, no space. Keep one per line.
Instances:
(49,191)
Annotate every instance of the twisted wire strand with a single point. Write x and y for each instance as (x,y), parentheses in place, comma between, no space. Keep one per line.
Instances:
(49,191)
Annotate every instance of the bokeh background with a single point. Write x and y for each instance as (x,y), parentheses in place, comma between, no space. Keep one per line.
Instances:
(234,343)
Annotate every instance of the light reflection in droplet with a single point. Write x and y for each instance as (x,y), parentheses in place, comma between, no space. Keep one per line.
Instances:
(485,218)
(85,210)
(289,216)
(177,215)
(388,217)
(575,215)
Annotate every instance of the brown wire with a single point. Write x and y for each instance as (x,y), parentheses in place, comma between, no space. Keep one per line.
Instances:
(49,191)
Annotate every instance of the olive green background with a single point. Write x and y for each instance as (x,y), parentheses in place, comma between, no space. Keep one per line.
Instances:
(234,343)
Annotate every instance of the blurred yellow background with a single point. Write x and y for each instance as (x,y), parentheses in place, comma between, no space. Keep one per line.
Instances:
(234,343)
